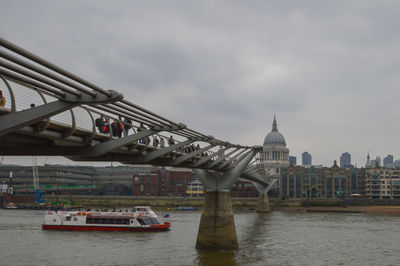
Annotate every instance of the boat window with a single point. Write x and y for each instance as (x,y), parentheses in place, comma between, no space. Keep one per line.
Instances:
(89,220)
(156,221)
(140,221)
(150,220)
(68,218)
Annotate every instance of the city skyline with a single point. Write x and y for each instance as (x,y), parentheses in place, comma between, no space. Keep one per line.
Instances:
(325,69)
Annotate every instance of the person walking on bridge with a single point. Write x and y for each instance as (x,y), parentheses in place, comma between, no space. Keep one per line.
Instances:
(162,142)
(141,128)
(127,126)
(155,142)
(100,124)
(2,99)
(171,141)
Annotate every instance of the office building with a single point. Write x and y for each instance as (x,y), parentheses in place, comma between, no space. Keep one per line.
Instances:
(293,160)
(345,159)
(388,161)
(306,159)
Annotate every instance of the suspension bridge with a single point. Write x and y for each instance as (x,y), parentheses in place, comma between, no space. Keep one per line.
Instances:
(47,110)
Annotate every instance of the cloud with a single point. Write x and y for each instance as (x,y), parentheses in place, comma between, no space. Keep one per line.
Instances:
(329,70)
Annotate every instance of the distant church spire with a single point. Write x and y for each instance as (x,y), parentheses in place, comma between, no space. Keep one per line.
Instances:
(368,163)
(274,125)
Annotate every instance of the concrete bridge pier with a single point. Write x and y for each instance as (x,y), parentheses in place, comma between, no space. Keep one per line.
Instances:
(263,203)
(217,225)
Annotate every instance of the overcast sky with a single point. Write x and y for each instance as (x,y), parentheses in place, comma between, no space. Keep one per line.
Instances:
(328,69)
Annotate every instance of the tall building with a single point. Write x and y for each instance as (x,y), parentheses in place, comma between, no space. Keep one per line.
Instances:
(388,161)
(376,162)
(293,160)
(396,164)
(306,159)
(345,159)
(275,154)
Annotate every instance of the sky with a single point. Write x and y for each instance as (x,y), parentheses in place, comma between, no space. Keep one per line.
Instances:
(329,70)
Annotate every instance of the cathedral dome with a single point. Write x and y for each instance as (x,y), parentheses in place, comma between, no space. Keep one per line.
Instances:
(274,137)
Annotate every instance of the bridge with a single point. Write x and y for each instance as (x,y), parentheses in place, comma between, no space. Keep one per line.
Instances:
(47,110)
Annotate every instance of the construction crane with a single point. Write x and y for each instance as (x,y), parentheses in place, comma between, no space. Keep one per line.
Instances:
(35,174)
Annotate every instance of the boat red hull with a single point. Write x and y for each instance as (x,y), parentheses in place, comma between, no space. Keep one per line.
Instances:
(158,227)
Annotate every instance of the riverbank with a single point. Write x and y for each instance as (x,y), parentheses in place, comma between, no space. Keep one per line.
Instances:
(238,204)
(154,202)
(386,210)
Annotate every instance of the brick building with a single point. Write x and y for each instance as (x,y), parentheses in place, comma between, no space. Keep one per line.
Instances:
(244,189)
(162,182)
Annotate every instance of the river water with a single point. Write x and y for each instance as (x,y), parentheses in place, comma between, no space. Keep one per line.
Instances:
(278,238)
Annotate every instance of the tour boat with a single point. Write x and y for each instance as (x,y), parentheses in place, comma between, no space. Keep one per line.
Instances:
(141,219)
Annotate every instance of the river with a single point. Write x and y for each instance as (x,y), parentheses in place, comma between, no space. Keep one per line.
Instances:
(278,238)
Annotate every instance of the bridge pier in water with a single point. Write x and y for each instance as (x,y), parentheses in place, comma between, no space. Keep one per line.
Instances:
(217,225)
(263,203)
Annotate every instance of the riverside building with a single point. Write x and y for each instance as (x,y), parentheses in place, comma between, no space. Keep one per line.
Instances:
(113,181)
(320,183)
(382,183)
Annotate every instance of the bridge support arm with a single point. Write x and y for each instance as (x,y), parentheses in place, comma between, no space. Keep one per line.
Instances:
(16,120)
(209,157)
(223,157)
(110,145)
(152,155)
(191,155)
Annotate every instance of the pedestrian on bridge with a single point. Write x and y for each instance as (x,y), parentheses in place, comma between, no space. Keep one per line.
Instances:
(2,99)
(106,125)
(162,142)
(141,128)
(127,125)
(155,142)
(171,141)
(100,124)
(114,127)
